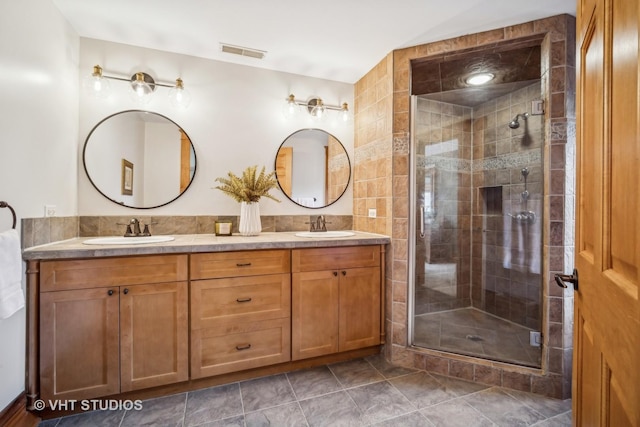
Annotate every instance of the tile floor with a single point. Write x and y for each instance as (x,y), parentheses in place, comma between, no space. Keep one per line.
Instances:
(476,333)
(360,392)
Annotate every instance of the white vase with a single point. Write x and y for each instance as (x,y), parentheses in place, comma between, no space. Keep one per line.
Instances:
(249,224)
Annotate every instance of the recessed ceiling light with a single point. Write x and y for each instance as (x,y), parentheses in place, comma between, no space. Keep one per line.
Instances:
(479,79)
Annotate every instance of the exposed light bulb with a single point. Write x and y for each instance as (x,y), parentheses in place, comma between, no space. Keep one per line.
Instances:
(96,85)
(344,112)
(290,108)
(318,110)
(179,96)
(142,91)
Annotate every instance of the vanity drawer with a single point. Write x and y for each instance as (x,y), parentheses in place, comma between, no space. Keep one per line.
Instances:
(104,272)
(240,299)
(320,259)
(242,263)
(231,347)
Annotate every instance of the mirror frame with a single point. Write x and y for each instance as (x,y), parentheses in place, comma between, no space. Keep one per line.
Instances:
(84,161)
(348,162)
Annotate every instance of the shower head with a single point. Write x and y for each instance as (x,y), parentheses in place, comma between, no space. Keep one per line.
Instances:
(515,124)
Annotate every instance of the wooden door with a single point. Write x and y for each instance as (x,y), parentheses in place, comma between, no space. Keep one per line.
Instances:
(79,344)
(153,335)
(314,321)
(359,308)
(606,371)
(284,168)
(185,161)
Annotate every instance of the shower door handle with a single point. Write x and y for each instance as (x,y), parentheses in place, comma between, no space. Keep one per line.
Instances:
(421,221)
(571,278)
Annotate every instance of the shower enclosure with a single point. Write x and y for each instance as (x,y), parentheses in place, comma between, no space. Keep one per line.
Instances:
(477,197)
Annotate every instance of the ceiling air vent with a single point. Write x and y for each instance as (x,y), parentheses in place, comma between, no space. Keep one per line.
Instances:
(242,51)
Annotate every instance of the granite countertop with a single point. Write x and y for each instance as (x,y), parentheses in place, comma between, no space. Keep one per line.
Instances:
(192,243)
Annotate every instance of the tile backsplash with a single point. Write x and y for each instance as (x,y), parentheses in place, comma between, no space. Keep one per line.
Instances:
(40,231)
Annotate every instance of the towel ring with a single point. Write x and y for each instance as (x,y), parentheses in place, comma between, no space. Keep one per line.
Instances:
(7,205)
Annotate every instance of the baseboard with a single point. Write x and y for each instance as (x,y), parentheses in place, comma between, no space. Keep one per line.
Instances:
(16,414)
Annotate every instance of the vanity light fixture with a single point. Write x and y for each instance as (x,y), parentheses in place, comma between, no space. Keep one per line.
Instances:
(315,107)
(142,84)
(479,79)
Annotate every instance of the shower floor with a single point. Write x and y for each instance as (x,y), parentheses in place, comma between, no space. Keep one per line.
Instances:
(473,332)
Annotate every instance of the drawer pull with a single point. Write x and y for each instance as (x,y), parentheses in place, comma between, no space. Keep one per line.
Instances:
(243,264)
(243,347)
(243,299)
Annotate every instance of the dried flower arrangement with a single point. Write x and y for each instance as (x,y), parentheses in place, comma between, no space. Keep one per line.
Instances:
(250,187)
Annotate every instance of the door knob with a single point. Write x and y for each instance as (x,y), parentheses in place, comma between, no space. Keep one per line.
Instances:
(571,278)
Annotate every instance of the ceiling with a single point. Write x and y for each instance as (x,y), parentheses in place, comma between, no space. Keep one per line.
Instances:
(513,64)
(337,40)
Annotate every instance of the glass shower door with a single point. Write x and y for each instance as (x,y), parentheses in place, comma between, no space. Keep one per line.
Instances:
(476,248)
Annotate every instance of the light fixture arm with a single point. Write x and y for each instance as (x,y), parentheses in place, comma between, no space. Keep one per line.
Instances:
(98,72)
(143,79)
(312,102)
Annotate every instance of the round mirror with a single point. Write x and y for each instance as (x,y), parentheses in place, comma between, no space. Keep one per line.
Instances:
(139,159)
(312,168)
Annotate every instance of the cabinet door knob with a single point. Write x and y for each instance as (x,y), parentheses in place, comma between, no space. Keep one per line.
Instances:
(344,273)
(243,347)
(126,291)
(335,273)
(243,299)
(110,292)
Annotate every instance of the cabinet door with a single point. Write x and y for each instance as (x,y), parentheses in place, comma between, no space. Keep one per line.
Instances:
(79,344)
(315,304)
(359,308)
(153,335)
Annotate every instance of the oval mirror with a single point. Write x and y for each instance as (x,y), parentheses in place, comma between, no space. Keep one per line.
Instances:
(139,159)
(312,168)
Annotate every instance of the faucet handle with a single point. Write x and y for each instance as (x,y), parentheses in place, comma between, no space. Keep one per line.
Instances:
(129,232)
(146,231)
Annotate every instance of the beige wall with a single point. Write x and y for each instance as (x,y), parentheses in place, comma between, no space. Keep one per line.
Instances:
(381,178)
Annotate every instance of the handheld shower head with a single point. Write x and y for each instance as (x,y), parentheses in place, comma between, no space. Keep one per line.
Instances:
(515,124)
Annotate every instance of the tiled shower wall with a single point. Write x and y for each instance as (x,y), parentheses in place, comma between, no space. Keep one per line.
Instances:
(382,99)
(507,249)
(338,170)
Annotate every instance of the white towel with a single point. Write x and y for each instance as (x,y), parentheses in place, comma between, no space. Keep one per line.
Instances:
(309,202)
(11,295)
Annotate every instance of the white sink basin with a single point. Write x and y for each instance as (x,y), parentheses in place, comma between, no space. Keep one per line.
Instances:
(120,240)
(325,234)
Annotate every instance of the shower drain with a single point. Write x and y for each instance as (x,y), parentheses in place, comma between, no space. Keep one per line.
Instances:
(474,338)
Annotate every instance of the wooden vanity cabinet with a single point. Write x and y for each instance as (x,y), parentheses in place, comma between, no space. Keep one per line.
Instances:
(240,310)
(336,300)
(112,325)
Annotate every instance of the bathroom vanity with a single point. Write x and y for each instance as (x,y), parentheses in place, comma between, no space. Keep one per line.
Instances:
(197,311)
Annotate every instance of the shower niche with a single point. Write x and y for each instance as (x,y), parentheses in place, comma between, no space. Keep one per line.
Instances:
(476,163)
(490,199)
